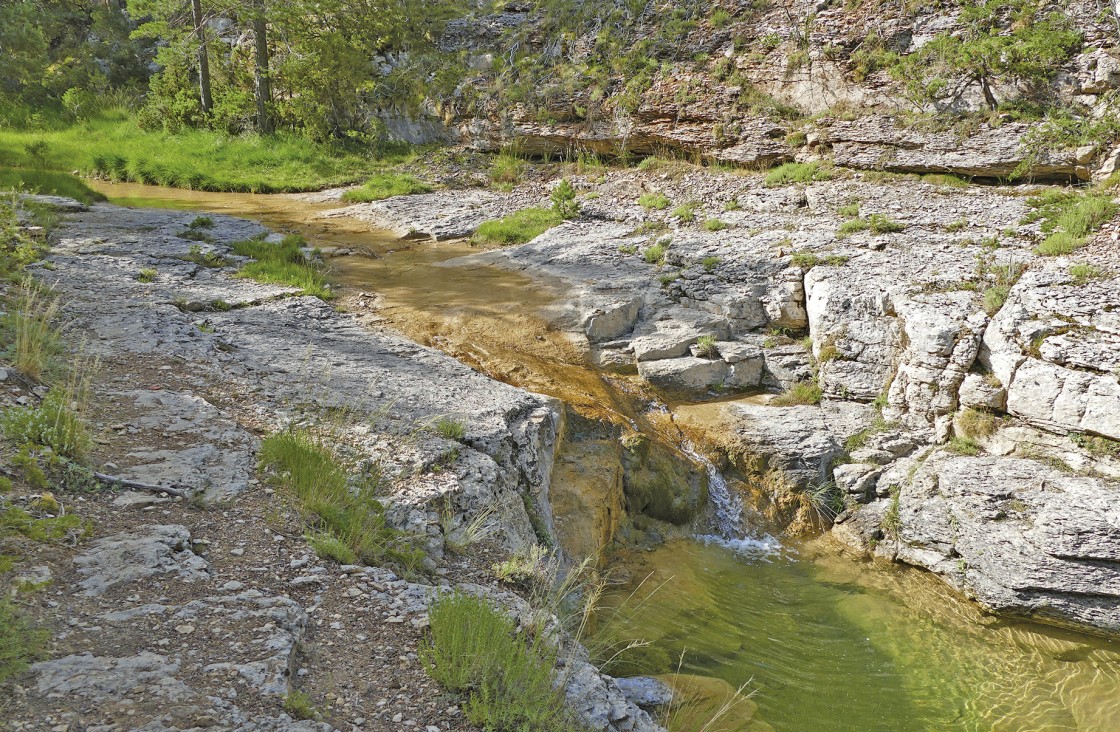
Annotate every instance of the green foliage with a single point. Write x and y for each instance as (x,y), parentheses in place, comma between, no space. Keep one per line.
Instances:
(450,428)
(655,254)
(875,223)
(54,423)
(201,222)
(850,211)
(803,392)
(524,567)
(962,445)
(506,170)
(43,530)
(284,264)
(706,346)
(299,705)
(891,523)
(733,205)
(344,521)
(977,423)
(788,173)
(114,147)
(564,203)
(709,263)
(517,228)
(1069,218)
(20,641)
(653,201)
(387,185)
(28,337)
(714,225)
(860,439)
(147,275)
(1083,273)
(995,297)
(475,649)
(47,182)
(808,260)
(997,42)
(686,212)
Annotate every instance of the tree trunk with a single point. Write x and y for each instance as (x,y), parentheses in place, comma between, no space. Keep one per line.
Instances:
(260,69)
(203,58)
(988,96)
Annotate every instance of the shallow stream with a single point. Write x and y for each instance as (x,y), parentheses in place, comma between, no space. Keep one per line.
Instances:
(825,642)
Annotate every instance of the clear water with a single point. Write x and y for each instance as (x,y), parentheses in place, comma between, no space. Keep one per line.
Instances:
(825,643)
(831,644)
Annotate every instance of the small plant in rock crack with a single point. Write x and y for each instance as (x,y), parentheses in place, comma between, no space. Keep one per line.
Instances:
(709,263)
(653,201)
(450,428)
(207,259)
(655,254)
(298,704)
(147,275)
(201,222)
(706,347)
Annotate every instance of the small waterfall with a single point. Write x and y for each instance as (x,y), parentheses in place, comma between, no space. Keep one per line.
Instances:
(728,510)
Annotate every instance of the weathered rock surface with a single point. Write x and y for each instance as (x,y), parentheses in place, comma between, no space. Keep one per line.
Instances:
(1020,537)
(136,555)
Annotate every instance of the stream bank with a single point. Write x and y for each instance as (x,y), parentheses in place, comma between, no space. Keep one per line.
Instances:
(802,577)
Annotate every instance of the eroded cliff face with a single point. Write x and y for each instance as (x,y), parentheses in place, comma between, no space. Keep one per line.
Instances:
(761,83)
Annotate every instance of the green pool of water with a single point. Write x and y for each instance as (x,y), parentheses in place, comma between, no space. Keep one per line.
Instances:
(832,644)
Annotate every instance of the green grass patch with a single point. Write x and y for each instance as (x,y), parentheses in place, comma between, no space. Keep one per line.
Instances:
(1069,218)
(808,260)
(450,428)
(788,173)
(709,263)
(387,185)
(714,225)
(962,445)
(1082,273)
(801,393)
(517,228)
(476,650)
(345,521)
(653,201)
(655,254)
(686,212)
(113,146)
(875,223)
(20,641)
(47,182)
(283,264)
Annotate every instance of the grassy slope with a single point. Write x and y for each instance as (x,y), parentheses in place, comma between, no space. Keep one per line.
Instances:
(113,146)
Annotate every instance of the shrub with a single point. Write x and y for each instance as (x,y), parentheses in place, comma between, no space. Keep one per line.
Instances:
(524,567)
(803,392)
(344,524)
(1069,219)
(788,173)
(653,201)
(517,228)
(564,203)
(995,297)
(147,275)
(201,222)
(298,705)
(387,185)
(714,225)
(54,423)
(476,650)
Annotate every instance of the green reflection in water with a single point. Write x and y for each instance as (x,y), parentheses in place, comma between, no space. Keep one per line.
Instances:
(832,644)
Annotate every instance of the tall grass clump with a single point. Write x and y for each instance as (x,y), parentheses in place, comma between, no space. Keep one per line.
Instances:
(517,228)
(653,201)
(476,650)
(345,523)
(31,343)
(48,182)
(283,264)
(387,185)
(803,392)
(788,173)
(1069,218)
(506,171)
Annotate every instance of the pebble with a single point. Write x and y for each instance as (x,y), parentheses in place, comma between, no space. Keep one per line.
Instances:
(184,629)
(236,552)
(233,586)
(397,718)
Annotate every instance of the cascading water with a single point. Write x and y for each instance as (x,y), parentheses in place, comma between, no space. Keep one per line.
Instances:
(728,511)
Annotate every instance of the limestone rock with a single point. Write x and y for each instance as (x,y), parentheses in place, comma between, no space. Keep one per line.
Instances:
(134,555)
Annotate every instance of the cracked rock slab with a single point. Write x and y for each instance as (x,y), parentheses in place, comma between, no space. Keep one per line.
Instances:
(135,555)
